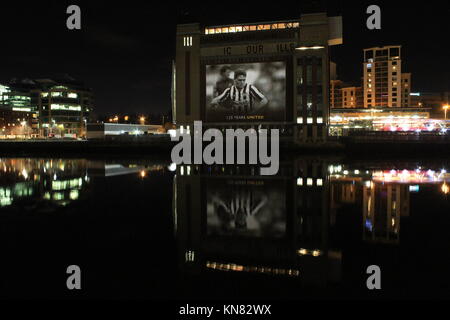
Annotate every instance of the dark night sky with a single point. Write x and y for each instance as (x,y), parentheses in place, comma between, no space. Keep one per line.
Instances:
(124,50)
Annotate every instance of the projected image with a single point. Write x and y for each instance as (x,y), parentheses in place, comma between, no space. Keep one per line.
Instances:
(246,92)
(246,208)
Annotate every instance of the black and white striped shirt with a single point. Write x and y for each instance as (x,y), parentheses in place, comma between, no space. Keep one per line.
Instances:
(247,95)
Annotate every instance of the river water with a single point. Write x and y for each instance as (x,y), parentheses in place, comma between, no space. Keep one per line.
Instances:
(149,229)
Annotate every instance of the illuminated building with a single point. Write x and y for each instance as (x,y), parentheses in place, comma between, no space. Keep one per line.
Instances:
(64,107)
(406,90)
(336,94)
(384,119)
(345,96)
(286,62)
(352,97)
(384,84)
(18,117)
(44,107)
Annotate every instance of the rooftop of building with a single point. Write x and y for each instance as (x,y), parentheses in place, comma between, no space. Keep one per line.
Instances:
(382,47)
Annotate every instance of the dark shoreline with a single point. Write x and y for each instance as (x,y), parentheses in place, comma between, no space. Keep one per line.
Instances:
(161,149)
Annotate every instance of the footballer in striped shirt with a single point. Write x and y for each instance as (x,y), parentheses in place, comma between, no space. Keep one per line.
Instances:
(242,97)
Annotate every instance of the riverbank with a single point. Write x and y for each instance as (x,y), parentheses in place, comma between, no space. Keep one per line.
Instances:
(161,147)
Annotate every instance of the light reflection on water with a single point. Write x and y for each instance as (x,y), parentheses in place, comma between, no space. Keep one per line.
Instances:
(310,224)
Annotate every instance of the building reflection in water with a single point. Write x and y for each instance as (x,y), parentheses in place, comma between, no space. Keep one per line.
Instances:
(48,184)
(229,218)
(383,195)
(41,182)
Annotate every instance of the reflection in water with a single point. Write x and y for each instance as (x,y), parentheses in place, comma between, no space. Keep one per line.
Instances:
(41,183)
(318,222)
(46,184)
(228,218)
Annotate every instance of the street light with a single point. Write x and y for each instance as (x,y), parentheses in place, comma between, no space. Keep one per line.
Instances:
(445,110)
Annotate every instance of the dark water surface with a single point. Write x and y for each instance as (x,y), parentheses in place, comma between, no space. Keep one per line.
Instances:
(148,229)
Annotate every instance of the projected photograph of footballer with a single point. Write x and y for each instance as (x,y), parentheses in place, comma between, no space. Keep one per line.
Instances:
(246,92)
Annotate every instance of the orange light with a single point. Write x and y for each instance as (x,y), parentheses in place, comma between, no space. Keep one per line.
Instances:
(445,188)
(143,174)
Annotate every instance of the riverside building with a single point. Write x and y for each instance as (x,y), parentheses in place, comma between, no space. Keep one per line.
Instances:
(269,75)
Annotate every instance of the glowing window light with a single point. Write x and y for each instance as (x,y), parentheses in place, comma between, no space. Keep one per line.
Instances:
(310,48)
(309,182)
(300,181)
(65,107)
(319,182)
(21,109)
(300,120)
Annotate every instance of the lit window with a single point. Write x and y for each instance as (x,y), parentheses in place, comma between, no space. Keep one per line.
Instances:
(187,41)
(299,120)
